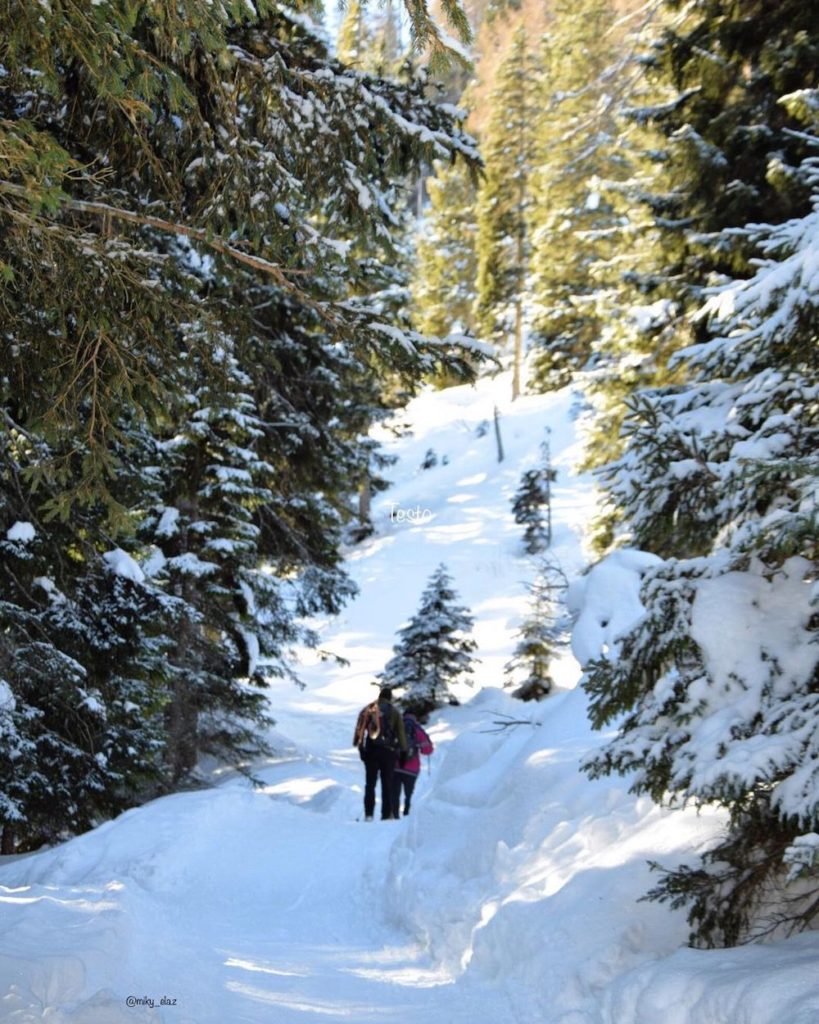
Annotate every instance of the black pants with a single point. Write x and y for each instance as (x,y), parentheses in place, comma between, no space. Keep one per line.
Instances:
(379,761)
(405,781)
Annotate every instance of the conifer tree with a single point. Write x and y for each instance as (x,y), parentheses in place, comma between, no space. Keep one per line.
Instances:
(532,504)
(84,643)
(214,129)
(534,650)
(573,215)
(528,506)
(354,44)
(724,468)
(710,148)
(185,191)
(444,280)
(434,650)
(504,202)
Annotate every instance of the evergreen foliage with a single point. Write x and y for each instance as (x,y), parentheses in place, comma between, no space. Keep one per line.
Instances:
(725,467)
(532,504)
(201,318)
(709,148)
(538,633)
(573,215)
(528,505)
(354,43)
(444,281)
(434,650)
(503,246)
(240,134)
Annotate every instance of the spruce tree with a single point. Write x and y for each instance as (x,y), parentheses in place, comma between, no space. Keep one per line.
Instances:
(355,37)
(434,650)
(528,506)
(573,216)
(444,280)
(532,504)
(236,132)
(709,148)
(725,469)
(84,643)
(504,201)
(185,194)
(539,631)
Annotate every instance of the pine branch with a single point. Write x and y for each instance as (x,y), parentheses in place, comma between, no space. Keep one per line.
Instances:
(172,227)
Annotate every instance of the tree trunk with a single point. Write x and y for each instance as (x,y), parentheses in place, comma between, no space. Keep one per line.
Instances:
(181,713)
(181,721)
(520,256)
(364,501)
(7,844)
(517,357)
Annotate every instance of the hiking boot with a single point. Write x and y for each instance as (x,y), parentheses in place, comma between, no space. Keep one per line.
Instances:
(368,817)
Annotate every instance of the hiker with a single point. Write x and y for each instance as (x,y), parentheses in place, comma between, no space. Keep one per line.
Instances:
(380,737)
(409,765)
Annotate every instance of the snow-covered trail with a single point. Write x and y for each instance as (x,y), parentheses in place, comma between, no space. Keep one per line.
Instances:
(508,895)
(272,905)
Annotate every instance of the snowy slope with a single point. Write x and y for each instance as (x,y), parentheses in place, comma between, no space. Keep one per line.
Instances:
(508,895)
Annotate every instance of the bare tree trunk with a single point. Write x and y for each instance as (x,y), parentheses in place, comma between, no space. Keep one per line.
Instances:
(181,721)
(364,501)
(520,256)
(517,357)
(181,714)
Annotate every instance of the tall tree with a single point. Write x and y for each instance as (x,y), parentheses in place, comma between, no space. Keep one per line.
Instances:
(710,148)
(444,280)
(504,203)
(354,43)
(184,192)
(719,680)
(572,214)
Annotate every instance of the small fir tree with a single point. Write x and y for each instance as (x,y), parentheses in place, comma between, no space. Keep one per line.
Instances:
(538,633)
(528,506)
(434,650)
(532,504)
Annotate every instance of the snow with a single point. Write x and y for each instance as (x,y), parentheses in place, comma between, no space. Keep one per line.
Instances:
(509,894)
(7,701)
(168,522)
(122,564)
(22,532)
(607,603)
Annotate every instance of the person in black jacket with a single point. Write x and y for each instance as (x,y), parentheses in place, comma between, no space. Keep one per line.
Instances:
(380,738)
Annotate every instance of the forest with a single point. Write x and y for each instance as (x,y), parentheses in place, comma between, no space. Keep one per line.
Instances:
(237,237)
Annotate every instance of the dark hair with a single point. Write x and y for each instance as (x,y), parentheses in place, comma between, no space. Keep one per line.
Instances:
(385,693)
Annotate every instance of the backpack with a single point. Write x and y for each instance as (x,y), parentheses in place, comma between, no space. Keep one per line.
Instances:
(375,726)
(411,729)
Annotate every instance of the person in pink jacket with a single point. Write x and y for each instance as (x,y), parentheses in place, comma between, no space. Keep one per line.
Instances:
(409,764)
